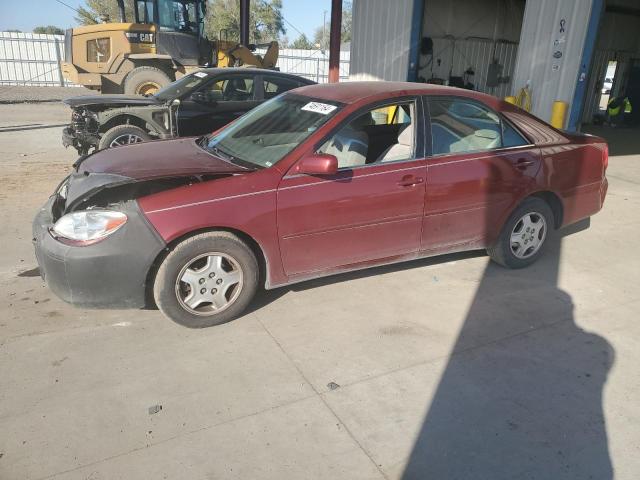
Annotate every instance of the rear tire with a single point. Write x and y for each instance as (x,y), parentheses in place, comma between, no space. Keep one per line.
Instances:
(523,237)
(122,135)
(145,80)
(206,280)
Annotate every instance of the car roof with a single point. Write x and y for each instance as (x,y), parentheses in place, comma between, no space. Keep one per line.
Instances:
(352,92)
(255,71)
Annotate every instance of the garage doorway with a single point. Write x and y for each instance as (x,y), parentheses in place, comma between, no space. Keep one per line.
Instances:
(470,44)
(613,71)
(606,85)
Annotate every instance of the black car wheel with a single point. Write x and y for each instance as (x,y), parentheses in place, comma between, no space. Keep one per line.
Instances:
(206,280)
(123,135)
(522,239)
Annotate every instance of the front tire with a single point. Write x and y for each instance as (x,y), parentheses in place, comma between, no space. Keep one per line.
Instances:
(122,135)
(523,237)
(207,280)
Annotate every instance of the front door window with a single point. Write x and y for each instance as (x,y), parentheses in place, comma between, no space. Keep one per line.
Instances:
(383,134)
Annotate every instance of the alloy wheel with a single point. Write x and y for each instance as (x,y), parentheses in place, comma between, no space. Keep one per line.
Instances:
(528,235)
(125,139)
(209,283)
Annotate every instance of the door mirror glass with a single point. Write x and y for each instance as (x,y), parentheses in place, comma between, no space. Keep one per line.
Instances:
(318,164)
(199,97)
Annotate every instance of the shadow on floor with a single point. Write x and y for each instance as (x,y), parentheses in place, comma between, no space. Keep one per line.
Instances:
(622,141)
(528,405)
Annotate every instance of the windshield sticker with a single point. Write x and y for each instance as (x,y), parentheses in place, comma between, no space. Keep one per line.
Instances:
(317,107)
(200,74)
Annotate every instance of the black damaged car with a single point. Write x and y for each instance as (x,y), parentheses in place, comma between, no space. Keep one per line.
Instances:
(198,103)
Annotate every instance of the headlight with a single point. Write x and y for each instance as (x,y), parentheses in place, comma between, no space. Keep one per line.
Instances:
(63,188)
(87,227)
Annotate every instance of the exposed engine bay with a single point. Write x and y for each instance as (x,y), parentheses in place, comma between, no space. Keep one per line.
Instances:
(92,118)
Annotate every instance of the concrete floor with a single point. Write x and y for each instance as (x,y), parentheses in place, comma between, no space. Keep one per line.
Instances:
(444,368)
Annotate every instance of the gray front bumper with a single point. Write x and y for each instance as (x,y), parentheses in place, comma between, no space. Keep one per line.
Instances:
(109,274)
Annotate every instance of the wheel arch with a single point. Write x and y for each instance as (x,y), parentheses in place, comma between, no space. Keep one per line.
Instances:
(263,263)
(555,203)
(124,119)
(550,198)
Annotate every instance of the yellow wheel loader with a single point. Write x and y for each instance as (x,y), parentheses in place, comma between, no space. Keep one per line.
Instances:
(166,42)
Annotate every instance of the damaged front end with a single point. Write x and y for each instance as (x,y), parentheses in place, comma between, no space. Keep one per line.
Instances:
(93,116)
(94,245)
(77,260)
(83,131)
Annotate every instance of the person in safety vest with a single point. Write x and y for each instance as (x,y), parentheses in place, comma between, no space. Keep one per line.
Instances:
(618,109)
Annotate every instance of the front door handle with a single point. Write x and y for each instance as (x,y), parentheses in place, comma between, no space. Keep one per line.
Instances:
(410,181)
(523,163)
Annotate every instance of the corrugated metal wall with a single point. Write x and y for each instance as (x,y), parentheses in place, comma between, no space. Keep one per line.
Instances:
(456,56)
(380,39)
(551,44)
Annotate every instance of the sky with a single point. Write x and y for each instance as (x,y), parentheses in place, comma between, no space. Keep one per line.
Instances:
(24,15)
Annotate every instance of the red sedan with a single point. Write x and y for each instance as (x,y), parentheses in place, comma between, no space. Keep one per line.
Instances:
(320,180)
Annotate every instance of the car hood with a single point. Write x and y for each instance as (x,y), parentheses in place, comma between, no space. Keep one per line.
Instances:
(159,159)
(111,100)
(155,165)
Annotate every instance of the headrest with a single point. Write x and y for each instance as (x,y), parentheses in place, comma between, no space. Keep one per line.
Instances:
(406,135)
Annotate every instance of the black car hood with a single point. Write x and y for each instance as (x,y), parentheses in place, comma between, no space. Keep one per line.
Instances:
(115,99)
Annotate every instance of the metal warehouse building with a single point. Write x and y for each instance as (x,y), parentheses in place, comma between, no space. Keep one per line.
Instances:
(576,51)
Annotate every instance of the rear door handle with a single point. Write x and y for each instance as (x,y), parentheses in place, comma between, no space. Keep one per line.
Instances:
(410,181)
(523,163)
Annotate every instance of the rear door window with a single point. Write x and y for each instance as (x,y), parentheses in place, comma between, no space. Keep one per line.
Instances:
(460,125)
(274,86)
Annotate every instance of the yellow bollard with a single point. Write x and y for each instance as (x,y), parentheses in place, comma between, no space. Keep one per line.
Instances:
(559,114)
(510,100)
(391,113)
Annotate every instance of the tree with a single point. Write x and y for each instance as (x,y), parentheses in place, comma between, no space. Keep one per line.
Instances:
(99,11)
(49,30)
(265,20)
(321,37)
(302,42)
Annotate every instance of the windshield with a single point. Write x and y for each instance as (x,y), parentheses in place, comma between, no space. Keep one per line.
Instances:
(182,86)
(263,136)
(178,16)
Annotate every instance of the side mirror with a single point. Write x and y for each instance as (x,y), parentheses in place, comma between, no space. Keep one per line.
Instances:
(318,164)
(200,97)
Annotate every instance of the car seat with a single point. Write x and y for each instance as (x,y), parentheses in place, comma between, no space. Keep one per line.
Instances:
(402,150)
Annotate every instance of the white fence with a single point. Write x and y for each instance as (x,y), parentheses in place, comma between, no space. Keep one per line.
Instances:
(31,59)
(311,64)
(34,59)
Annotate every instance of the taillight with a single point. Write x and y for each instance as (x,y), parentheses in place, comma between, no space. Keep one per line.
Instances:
(605,157)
